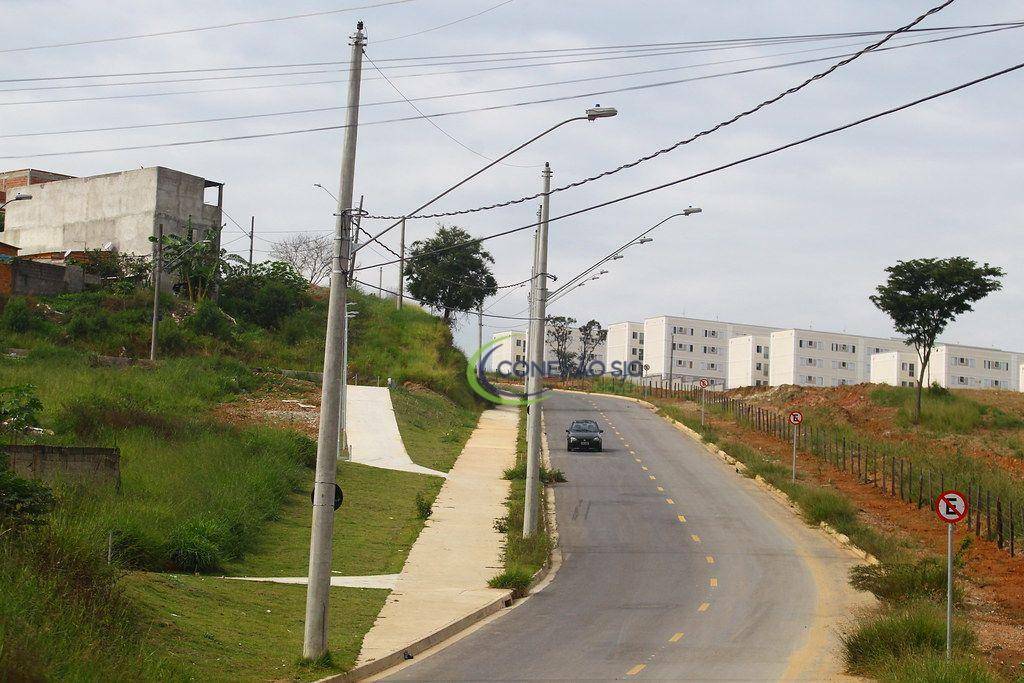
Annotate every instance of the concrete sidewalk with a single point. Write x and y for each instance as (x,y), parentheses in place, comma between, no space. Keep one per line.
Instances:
(444,580)
(373,435)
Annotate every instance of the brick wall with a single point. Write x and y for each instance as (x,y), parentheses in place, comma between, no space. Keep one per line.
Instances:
(100,465)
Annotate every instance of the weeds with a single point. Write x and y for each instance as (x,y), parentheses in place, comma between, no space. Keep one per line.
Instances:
(516,579)
(424,507)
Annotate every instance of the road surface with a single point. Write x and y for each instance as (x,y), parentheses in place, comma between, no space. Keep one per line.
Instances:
(674,568)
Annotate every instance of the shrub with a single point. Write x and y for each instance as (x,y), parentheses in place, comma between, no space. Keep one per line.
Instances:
(517,579)
(19,408)
(197,545)
(20,316)
(23,503)
(89,414)
(209,320)
(265,294)
(899,581)
(518,473)
(918,628)
(933,668)
(423,506)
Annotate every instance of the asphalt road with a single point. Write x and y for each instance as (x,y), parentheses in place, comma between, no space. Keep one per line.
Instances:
(674,568)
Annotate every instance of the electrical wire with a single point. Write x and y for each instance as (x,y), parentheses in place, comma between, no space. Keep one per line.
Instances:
(174,32)
(254,136)
(456,310)
(450,23)
(737,162)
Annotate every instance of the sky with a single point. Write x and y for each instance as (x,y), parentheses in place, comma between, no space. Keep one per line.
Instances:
(798,239)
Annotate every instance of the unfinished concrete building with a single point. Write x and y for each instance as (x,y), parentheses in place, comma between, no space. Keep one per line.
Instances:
(113,212)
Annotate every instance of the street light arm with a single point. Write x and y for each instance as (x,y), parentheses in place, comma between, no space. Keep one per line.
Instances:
(470,177)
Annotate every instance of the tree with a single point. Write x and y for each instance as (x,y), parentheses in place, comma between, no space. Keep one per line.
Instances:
(19,409)
(450,273)
(559,337)
(198,265)
(265,293)
(922,296)
(591,336)
(311,255)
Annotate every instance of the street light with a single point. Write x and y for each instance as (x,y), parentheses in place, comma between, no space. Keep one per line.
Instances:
(20,197)
(645,240)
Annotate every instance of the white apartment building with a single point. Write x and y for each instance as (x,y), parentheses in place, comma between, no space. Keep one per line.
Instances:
(513,349)
(689,349)
(896,368)
(748,361)
(824,359)
(971,367)
(625,345)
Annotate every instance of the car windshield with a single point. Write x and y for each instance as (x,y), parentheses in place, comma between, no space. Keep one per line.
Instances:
(584,426)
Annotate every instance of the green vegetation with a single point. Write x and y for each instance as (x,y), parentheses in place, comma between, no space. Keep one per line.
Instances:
(933,668)
(909,631)
(900,580)
(214,629)
(523,557)
(434,429)
(943,412)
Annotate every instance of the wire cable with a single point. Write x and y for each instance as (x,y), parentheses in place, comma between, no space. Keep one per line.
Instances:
(441,26)
(455,310)
(737,162)
(174,32)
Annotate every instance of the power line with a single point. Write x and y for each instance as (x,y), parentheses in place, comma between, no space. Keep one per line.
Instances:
(446,25)
(254,136)
(456,310)
(748,42)
(721,124)
(174,32)
(731,164)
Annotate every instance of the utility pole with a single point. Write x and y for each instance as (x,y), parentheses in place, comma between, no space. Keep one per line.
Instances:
(314,642)
(158,264)
(355,244)
(535,379)
(343,452)
(252,236)
(480,326)
(401,266)
(531,296)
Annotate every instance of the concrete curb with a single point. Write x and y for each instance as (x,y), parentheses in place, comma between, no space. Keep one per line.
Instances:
(840,539)
(369,669)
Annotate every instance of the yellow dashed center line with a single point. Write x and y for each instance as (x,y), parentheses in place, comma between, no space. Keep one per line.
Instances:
(632,453)
(636,669)
(714,583)
(661,489)
(644,467)
(651,477)
(670,501)
(682,519)
(710,559)
(676,638)
(704,607)
(695,537)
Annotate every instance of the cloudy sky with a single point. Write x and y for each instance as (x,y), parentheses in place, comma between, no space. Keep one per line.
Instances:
(797,239)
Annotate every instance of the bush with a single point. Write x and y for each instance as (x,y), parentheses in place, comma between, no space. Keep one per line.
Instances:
(423,506)
(88,415)
(900,581)
(209,320)
(266,294)
(918,628)
(517,579)
(20,316)
(518,473)
(196,546)
(934,668)
(23,503)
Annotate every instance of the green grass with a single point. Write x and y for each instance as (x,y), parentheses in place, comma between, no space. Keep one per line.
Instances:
(910,630)
(434,429)
(943,412)
(373,530)
(933,668)
(521,556)
(216,629)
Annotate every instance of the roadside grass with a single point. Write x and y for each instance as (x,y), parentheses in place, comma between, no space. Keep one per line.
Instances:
(217,629)
(933,668)
(900,634)
(942,411)
(522,557)
(434,428)
(373,530)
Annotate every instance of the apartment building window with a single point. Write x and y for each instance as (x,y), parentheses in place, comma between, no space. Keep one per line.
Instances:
(682,330)
(996,365)
(709,366)
(962,361)
(843,365)
(993,383)
(757,366)
(711,333)
(811,344)
(641,337)
(632,350)
(634,335)
(640,354)
(711,350)
(811,362)
(963,381)
(758,348)
(812,380)
(682,347)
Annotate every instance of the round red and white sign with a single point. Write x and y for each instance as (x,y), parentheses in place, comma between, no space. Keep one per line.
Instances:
(704,383)
(951,506)
(796,417)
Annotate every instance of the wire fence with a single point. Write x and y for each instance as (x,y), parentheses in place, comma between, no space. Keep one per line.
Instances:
(994,515)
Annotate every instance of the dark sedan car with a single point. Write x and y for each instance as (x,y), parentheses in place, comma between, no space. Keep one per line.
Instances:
(583,435)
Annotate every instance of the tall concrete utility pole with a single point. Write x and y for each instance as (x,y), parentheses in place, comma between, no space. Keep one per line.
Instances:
(401,266)
(355,247)
(314,642)
(535,345)
(158,264)
(530,297)
(480,326)
(252,236)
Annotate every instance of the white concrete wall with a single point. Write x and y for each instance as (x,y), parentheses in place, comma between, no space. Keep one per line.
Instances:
(895,368)
(625,344)
(970,367)
(511,349)
(121,209)
(815,358)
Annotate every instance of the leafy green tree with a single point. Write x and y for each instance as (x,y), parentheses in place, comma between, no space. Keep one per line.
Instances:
(198,265)
(264,294)
(591,336)
(922,296)
(19,408)
(450,273)
(559,334)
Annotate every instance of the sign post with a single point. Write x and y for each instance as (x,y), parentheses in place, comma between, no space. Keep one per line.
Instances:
(795,418)
(703,385)
(951,507)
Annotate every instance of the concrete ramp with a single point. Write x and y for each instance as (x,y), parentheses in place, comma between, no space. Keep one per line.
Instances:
(373,435)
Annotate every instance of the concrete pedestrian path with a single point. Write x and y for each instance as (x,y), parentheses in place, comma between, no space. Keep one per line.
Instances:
(373,435)
(444,580)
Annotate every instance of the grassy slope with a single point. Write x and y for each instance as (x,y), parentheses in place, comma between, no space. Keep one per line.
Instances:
(201,486)
(434,428)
